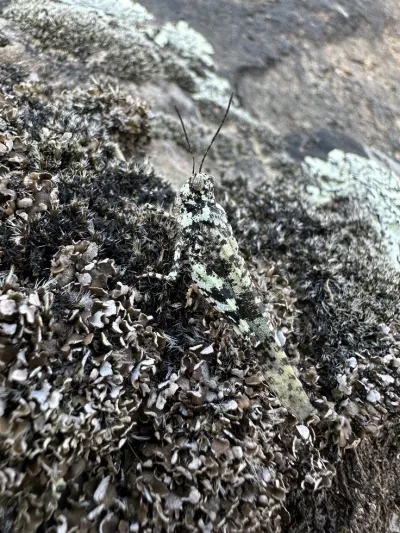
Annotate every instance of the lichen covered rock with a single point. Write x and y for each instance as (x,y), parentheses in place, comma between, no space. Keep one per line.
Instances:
(127,403)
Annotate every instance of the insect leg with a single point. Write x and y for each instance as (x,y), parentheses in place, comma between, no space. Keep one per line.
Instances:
(176,266)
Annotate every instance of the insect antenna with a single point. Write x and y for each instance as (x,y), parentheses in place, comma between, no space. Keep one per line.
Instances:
(216,133)
(186,135)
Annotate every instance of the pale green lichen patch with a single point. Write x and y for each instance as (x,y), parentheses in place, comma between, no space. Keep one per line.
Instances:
(187,41)
(373,188)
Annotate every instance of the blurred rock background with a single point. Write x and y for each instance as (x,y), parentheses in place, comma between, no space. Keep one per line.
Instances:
(306,65)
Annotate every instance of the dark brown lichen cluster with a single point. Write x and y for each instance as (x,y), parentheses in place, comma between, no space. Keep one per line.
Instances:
(130,405)
(94,432)
(119,407)
(108,420)
(69,351)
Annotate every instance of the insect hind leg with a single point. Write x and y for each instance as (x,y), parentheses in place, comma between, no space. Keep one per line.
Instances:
(175,270)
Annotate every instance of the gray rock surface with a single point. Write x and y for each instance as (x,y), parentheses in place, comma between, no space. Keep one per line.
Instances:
(302,65)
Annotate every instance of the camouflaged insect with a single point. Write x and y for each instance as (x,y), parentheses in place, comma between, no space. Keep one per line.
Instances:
(219,271)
